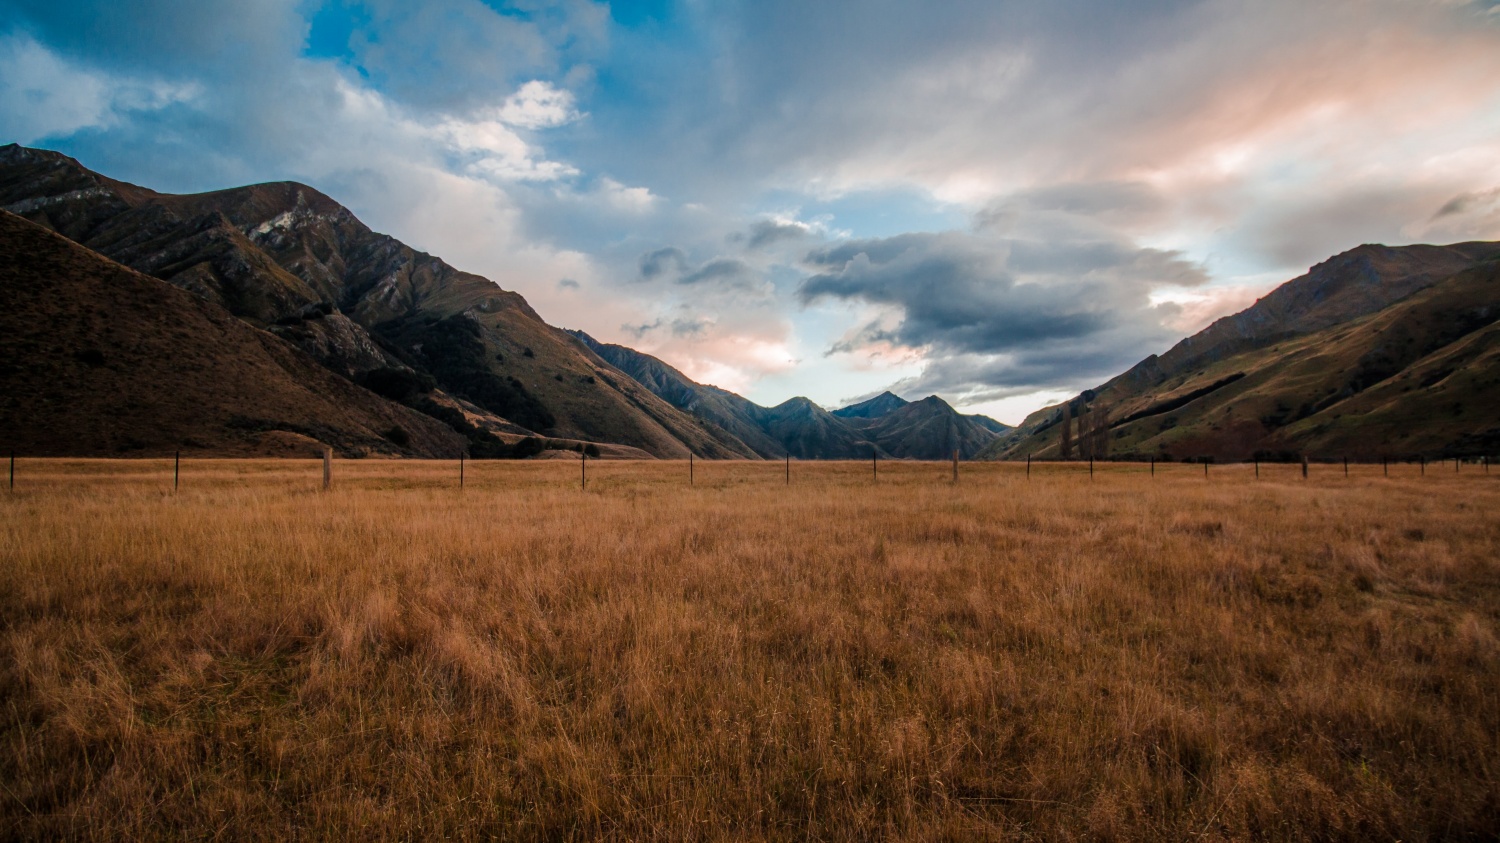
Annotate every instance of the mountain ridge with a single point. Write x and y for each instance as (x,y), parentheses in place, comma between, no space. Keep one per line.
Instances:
(274,253)
(885,425)
(1272,380)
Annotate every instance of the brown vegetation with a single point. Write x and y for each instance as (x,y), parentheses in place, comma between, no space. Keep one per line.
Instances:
(1132,657)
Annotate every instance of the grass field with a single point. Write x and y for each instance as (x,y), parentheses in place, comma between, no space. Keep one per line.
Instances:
(1123,657)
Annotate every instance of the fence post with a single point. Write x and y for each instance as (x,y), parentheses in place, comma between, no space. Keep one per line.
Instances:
(1423,462)
(1304,466)
(690,468)
(460,471)
(1153,466)
(12,471)
(1205,468)
(874,466)
(176,471)
(1455,465)
(1257,468)
(955,465)
(789,468)
(1028,466)
(583,471)
(1346,466)
(1385,468)
(327,468)
(1091,468)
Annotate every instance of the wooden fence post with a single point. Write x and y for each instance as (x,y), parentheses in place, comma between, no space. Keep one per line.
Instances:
(1153,466)
(690,468)
(955,465)
(460,471)
(1091,468)
(1346,466)
(789,468)
(1028,466)
(1304,466)
(12,471)
(1423,462)
(874,465)
(327,468)
(1385,468)
(176,471)
(1257,468)
(583,471)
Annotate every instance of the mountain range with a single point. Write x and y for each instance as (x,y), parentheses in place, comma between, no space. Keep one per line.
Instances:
(1379,352)
(885,425)
(268,319)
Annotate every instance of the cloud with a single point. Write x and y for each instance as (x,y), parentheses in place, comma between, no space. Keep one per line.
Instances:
(724,272)
(668,260)
(764,233)
(44,96)
(538,105)
(1033,312)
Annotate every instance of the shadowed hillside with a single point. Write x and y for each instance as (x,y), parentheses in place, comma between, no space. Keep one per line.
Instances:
(285,257)
(101,360)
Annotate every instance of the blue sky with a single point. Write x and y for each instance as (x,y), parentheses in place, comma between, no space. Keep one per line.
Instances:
(1001,202)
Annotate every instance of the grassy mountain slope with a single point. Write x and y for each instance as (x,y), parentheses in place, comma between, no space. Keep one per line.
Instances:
(101,360)
(268,253)
(1413,376)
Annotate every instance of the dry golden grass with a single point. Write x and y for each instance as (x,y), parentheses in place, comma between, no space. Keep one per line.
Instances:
(1128,657)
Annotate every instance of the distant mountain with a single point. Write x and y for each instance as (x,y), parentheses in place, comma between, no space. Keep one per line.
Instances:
(99,360)
(885,425)
(1379,351)
(809,432)
(873,408)
(929,430)
(287,258)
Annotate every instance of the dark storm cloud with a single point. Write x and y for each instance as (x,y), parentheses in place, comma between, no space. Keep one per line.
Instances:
(962,293)
(724,272)
(663,261)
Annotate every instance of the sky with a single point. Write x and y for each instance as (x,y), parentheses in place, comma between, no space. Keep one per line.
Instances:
(996,201)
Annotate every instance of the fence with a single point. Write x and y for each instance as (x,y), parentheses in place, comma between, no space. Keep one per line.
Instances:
(725,471)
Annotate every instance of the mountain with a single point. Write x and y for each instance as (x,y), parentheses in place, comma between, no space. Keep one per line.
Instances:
(873,408)
(796,427)
(887,425)
(809,432)
(929,430)
(287,258)
(97,359)
(1379,351)
(738,417)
